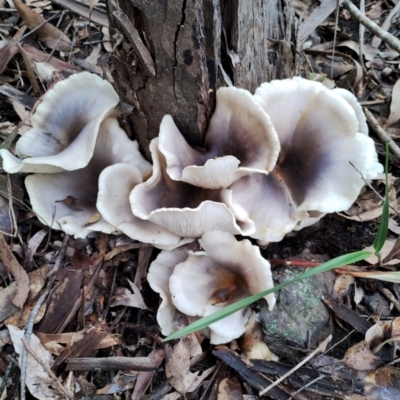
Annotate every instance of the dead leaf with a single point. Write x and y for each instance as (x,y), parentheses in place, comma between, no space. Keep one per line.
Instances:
(21,277)
(144,378)
(386,253)
(48,34)
(252,343)
(9,49)
(342,286)
(229,389)
(56,343)
(177,367)
(38,381)
(361,358)
(123,297)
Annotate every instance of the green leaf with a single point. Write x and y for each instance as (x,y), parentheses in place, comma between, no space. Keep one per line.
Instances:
(210,319)
(381,235)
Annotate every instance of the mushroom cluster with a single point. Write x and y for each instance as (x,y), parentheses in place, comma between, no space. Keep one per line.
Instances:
(272,162)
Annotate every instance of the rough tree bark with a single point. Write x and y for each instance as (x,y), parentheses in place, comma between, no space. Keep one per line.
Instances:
(171,56)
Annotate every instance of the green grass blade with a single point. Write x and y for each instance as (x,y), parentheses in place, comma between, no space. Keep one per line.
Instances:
(204,322)
(381,235)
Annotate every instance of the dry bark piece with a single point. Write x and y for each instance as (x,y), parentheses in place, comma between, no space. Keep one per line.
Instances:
(254,378)
(60,301)
(348,315)
(48,34)
(91,340)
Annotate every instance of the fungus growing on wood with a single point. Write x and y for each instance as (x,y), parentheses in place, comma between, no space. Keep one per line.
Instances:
(64,127)
(185,210)
(240,140)
(319,132)
(67,200)
(115,185)
(200,283)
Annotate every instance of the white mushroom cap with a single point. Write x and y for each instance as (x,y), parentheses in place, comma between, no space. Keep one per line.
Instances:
(198,284)
(158,277)
(64,127)
(240,140)
(265,202)
(319,134)
(185,210)
(352,100)
(226,272)
(115,185)
(67,200)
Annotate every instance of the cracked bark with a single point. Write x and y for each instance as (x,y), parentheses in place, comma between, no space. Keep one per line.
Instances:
(189,41)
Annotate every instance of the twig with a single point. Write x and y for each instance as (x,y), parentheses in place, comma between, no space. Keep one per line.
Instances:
(381,133)
(48,370)
(319,349)
(389,39)
(39,26)
(58,40)
(35,311)
(372,188)
(306,386)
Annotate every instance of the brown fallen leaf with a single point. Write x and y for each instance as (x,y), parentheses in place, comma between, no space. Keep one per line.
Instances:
(123,297)
(12,266)
(38,381)
(144,378)
(177,366)
(10,49)
(229,389)
(361,358)
(48,34)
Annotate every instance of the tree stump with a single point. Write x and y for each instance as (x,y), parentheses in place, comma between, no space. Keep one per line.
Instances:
(171,56)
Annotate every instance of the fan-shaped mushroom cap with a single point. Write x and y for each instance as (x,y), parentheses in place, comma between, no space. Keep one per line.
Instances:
(67,200)
(352,100)
(265,202)
(158,276)
(115,185)
(319,134)
(200,283)
(240,140)
(185,210)
(64,127)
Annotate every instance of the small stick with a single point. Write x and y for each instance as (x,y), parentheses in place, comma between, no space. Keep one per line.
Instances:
(39,26)
(381,133)
(319,349)
(389,39)
(48,370)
